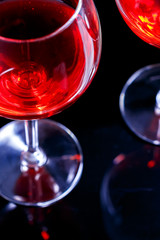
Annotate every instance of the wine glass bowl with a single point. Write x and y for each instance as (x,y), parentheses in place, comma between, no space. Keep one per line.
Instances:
(49,54)
(143,18)
(51,66)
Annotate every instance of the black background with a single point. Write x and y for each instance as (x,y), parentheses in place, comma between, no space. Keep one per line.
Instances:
(96,121)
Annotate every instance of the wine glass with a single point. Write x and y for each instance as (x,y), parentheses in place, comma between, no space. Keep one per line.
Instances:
(140,97)
(49,54)
(130,195)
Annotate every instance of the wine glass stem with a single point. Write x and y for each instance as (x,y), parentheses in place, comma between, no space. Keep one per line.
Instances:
(33,156)
(31,133)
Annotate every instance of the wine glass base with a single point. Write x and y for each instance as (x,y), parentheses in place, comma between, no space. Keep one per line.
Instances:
(130,196)
(45,185)
(140,103)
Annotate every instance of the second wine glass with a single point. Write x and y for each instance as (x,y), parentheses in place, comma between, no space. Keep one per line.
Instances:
(140,97)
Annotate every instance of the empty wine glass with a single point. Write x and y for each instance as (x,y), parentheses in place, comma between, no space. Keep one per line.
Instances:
(49,53)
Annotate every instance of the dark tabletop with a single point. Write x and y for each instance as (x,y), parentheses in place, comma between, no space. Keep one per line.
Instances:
(96,121)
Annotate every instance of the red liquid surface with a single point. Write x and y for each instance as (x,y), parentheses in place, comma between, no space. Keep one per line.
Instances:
(143,17)
(42,71)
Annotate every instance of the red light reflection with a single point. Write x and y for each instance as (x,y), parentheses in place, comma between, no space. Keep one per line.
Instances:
(151,164)
(36,185)
(45,235)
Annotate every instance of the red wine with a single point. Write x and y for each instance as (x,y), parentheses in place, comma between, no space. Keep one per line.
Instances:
(143,17)
(46,60)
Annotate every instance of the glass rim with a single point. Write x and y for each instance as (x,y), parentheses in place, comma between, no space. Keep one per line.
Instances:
(121,8)
(52,34)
